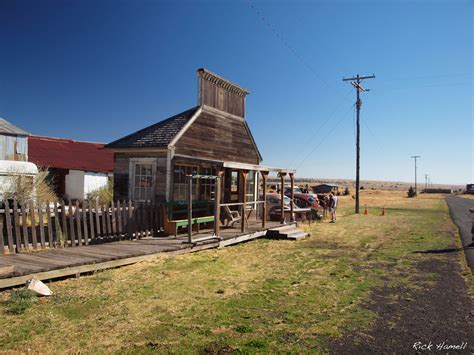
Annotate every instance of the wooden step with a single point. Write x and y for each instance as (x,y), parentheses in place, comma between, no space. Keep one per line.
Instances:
(286,232)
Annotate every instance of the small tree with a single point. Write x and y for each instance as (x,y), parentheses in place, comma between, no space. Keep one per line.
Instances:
(346,191)
(411,192)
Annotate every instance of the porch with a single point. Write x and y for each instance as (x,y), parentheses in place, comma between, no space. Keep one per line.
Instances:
(16,269)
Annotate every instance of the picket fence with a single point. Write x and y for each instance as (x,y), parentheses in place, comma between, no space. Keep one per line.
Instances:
(31,225)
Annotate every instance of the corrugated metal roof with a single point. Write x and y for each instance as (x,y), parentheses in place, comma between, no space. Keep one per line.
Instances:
(9,128)
(68,154)
(157,135)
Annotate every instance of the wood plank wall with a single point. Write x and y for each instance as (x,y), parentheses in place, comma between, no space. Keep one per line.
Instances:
(218,97)
(218,138)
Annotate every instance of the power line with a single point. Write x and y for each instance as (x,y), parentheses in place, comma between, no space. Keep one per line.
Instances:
(324,138)
(289,47)
(329,117)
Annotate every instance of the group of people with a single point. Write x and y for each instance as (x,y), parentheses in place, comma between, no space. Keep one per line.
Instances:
(329,204)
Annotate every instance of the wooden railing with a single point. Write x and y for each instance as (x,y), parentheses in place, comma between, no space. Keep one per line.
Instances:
(34,225)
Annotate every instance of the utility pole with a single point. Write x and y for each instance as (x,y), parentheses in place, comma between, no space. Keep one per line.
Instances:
(426,181)
(356,83)
(415,157)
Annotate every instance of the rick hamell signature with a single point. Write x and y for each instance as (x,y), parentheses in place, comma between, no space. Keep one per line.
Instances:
(439,346)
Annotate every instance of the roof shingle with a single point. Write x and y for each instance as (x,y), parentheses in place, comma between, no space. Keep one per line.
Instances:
(157,135)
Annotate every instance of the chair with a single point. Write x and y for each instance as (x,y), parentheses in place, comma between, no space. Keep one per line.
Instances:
(232,216)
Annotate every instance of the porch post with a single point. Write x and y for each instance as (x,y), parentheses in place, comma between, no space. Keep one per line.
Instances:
(292,196)
(217,203)
(243,178)
(282,195)
(190,209)
(264,205)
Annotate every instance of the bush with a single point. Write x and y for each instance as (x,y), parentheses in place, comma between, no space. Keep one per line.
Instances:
(411,192)
(20,301)
(24,188)
(347,191)
(105,194)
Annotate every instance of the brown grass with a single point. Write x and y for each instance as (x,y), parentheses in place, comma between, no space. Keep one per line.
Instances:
(262,296)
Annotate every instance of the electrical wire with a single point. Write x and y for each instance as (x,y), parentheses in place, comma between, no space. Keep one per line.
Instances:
(324,138)
(290,48)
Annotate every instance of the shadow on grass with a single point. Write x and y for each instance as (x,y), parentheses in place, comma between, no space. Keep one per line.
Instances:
(444,251)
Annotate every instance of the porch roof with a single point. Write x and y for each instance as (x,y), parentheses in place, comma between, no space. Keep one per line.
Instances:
(236,165)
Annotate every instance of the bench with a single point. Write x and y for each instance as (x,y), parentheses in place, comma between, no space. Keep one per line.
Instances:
(176,215)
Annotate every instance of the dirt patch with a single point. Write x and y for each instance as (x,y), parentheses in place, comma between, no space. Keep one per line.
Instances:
(435,309)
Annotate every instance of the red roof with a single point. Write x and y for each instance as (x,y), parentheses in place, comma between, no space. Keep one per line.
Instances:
(68,154)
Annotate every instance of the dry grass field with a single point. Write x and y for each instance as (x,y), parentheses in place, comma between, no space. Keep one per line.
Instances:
(261,296)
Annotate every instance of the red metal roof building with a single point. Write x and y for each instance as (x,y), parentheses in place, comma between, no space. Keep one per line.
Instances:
(68,154)
(75,168)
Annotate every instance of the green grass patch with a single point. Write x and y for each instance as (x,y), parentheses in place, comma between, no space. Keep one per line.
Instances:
(262,296)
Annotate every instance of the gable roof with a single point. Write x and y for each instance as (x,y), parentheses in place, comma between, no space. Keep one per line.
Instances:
(69,154)
(157,135)
(9,128)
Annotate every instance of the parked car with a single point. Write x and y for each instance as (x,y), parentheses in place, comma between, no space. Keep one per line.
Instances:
(303,200)
(274,206)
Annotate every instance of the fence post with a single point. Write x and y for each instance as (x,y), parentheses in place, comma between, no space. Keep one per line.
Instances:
(41,225)
(71,225)
(84,222)
(33,225)
(24,223)
(78,224)
(8,223)
(2,243)
(50,227)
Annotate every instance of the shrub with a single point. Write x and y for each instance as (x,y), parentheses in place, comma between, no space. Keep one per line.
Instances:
(20,301)
(347,191)
(411,192)
(105,194)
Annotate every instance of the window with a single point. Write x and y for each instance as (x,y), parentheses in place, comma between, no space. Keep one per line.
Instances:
(143,179)
(250,187)
(180,182)
(208,186)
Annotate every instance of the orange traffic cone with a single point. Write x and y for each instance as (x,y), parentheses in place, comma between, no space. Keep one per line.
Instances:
(366,212)
(383,210)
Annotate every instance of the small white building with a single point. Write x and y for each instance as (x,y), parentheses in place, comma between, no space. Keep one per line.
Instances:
(76,168)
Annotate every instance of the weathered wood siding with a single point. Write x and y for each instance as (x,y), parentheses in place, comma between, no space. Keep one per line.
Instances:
(122,174)
(218,137)
(13,147)
(218,97)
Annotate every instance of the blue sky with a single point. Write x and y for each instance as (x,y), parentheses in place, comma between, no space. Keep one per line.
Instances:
(98,70)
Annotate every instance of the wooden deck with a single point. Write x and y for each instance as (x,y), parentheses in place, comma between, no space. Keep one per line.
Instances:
(56,263)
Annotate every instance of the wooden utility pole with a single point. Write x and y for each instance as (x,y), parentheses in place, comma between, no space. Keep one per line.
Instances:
(356,83)
(415,157)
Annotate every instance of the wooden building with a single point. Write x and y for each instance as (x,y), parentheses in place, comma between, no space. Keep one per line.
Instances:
(210,139)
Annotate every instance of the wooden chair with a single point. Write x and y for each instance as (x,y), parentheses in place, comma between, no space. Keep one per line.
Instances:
(232,216)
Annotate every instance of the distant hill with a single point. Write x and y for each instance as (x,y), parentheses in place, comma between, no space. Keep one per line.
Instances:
(371,184)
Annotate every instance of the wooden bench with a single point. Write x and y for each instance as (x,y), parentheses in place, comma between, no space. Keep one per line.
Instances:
(176,215)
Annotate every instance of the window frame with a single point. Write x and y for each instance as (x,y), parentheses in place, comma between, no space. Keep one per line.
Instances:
(132,168)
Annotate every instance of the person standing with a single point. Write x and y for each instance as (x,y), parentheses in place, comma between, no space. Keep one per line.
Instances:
(332,207)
